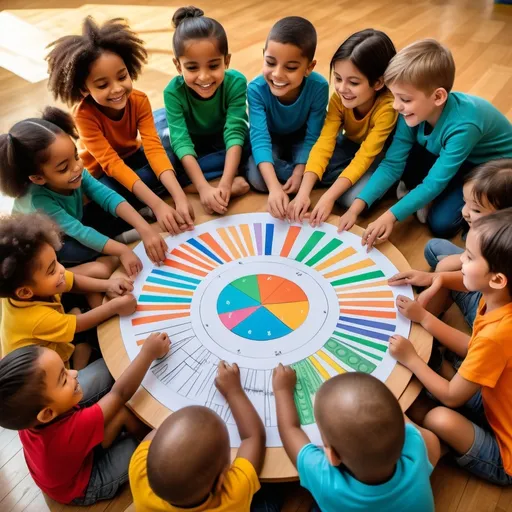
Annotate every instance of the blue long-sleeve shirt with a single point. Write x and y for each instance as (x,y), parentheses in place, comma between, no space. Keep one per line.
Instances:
(469,128)
(267,115)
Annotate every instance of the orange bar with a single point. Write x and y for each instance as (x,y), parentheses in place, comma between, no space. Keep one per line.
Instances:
(238,240)
(201,256)
(292,235)
(186,268)
(366,285)
(208,239)
(168,291)
(157,307)
(184,256)
(231,246)
(350,268)
(156,318)
(247,237)
(349,251)
(369,303)
(366,295)
(365,312)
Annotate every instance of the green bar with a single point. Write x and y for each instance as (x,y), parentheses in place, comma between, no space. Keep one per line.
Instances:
(308,382)
(360,350)
(377,346)
(310,244)
(358,278)
(322,253)
(349,357)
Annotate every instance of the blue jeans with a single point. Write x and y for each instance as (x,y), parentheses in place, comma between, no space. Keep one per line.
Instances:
(285,150)
(210,150)
(483,458)
(109,471)
(95,381)
(437,249)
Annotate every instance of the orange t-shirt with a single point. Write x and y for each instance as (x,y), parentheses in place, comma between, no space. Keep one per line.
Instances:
(104,143)
(489,363)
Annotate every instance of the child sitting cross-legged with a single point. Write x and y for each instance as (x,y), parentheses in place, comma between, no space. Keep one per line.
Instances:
(76,455)
(32,282)
(371,459)
(185,464)
(476,417)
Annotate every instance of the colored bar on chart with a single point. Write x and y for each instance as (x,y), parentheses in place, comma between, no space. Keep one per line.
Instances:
(377,346)
(157,318)
(258,235)
(158,298)
(246,233)
(369,323)
(319,368)
(208,239)
(375,284)
(350,268)
(291,236)
(229,243)
(204,250)
(186,268)
(168,291)
(200,255)
(238,240)
(333,364)
(346,253)
(171,275)
(164,282)
(178,253)
(370,313)
(358,278)
(269,238)
(366,295)
(368,303)
(349,357)
(364,332)
(310,244)
(160,307)
(322,253)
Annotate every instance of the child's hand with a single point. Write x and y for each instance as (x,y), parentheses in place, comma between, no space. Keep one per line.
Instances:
(321,211)
(186,212)
(347,220)
(130,262)
(169,218)
(426,295)
(292,184)
(117,286)
(283,378)
(155,246)
(125,305)
(411,309)
(228,379)
(157,345)
(379,230)
(298,208)
(402,350)
(412,277)
(224,190)
(278,202)
(212,200)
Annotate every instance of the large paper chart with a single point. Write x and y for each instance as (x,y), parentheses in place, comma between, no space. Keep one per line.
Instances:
(256,291)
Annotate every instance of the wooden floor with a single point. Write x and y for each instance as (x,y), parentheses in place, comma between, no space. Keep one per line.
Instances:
(478,32)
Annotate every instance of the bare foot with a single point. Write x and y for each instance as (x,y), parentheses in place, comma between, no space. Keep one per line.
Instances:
(240,187)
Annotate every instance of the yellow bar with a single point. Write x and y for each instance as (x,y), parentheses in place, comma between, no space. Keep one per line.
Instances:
(231,246)
(247,237)
(320,369)
(350,268)
(330,362)
(238,241)
(349,251)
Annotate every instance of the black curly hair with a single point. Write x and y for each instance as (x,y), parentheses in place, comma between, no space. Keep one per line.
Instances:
(23,149)
(71,57)
(22,388)
(21,239)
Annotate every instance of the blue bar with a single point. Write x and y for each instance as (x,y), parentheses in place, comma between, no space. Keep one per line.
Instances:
(170,283)
(204,250)
(269,237)
(364,332)
(175,276)
(369,323)
(158,298)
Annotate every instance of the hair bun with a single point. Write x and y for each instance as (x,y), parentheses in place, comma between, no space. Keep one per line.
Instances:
(186,12)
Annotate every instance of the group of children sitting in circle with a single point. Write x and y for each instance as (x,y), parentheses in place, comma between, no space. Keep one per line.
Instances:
(393,118)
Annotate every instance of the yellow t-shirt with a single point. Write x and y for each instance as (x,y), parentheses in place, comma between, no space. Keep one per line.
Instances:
(240,485)
(38,323)
(489,363)
(371,132)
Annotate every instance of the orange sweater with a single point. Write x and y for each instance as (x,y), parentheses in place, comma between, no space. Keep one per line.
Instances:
(104,143)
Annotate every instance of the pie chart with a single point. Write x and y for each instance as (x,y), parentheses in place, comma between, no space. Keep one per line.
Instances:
(262,307)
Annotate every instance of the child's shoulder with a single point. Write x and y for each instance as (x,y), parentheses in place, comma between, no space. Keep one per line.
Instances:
(317,79)
(232,75)
(175,85)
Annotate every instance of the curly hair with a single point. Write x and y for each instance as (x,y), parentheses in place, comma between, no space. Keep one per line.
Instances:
(21,239)
(22,388)
(24,148)
(71,57)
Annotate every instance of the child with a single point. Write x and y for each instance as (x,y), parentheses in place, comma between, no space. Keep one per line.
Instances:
(487,188)
(370,459)
(32,283)
(476,422)
(40,167)
(206,114)
(440,136)
(94,72)
(175,469)
(286,111)
(359,120)
(75,455)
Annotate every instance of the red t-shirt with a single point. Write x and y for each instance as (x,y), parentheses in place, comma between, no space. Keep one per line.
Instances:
(60,455)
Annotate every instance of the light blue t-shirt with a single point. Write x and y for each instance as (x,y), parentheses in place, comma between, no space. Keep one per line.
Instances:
(268,115)
(470,128)
(336,490)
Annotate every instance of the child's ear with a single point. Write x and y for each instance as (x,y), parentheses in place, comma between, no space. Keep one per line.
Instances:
(227,60)
(379,84)
(220,480)
(440,96)
(84,92)
(332,456)
(310,67)
(177,65)
(498,281)
(37,179)
(24,293)
(46,415)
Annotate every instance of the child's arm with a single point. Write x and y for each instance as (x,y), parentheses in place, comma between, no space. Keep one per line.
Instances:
(122,306)
(288,424)
(431,442)
(183,206)
(450,263)
(112,286)
(451,338)
(452,393)
(156,346)
(248,421)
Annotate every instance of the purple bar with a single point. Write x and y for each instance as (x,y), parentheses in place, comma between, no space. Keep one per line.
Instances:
(258,233)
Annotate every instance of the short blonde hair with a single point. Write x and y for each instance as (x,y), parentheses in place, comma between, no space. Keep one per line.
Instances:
(426,65)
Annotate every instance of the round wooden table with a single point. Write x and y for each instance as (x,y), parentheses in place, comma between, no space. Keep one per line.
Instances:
(277,466)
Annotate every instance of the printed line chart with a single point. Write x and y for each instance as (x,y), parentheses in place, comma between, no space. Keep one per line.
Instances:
(257,291)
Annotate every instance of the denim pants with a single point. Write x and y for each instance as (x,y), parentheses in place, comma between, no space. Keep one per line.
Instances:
(95,381)
(445,214)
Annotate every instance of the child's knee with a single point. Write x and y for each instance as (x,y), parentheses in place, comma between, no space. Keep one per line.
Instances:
(439,420)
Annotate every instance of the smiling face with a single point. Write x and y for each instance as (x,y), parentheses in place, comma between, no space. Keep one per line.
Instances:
(475,270)
(284,69)
(353,87)
(473,209)
(109,84)
(203,66)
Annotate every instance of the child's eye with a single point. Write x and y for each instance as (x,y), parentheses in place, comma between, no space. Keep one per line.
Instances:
(268,63)
(123,77)
(102,86)
(214,66)
(291,69)
(354,83)
(403,100)
(63,171)
(191,68)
